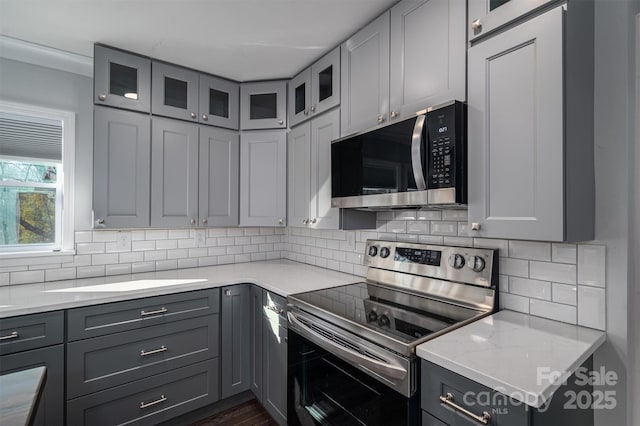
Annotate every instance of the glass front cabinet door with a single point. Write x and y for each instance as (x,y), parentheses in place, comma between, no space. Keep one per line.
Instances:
(219,102)
(263,105)
(121,79)
(175,92)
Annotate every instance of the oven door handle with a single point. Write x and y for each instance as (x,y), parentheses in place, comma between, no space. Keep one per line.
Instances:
(375,366)
(416,153)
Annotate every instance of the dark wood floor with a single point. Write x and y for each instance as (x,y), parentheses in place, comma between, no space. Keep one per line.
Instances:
(249,413)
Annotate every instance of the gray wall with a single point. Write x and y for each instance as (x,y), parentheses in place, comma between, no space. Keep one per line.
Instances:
(46,87)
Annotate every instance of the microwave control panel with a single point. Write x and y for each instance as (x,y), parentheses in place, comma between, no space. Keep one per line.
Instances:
(446,146)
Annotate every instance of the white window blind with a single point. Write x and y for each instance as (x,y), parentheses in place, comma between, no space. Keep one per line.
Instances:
(30,137)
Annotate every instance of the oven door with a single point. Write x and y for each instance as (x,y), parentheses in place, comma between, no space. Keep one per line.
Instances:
(325,390)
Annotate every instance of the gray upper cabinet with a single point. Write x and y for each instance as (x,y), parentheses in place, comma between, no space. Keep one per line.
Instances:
(263,105)
(121,79)
(219,177)
(428,55)
(263,178)
(309,173)
(532,171)
(316,89)
(174,179)
(121,168)
(365,77)
(219,102)
(485,16)
(235,338)
(175,92)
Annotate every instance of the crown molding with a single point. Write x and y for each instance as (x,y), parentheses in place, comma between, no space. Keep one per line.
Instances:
(36,54)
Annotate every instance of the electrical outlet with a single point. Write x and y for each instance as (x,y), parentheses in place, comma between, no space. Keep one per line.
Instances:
(123,241)
(201,238)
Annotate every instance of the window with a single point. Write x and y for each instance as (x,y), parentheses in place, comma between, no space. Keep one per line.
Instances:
(36,178)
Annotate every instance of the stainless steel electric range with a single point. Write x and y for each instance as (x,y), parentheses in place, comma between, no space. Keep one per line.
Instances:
(352,348)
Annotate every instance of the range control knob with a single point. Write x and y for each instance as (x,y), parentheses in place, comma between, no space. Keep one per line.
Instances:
(385,252)
(383,320)
(476,263)
(373,250)
(456,261)
(372,316)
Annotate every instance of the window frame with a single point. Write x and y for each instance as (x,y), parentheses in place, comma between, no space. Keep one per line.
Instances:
(65,177)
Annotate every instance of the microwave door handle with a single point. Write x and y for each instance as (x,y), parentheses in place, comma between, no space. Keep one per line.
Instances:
(416,153)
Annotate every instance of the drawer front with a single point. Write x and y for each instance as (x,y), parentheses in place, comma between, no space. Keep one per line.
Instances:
(149,401)
(106,361)
(467,395)
(50,409)
(429,420)
(94,321)
(31,332)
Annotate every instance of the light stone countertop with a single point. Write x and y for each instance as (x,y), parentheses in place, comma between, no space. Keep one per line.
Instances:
(283,277)
(516,354)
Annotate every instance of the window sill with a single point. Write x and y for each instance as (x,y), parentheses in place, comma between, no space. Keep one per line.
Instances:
(41,253)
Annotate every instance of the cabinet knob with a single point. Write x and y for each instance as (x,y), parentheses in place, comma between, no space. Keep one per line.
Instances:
(227,292)
(100,221)
(314,220)
(194,115)
(193,221)
(102,97)
(280,221)
(305,221)
(205,117)
(394,114)
(475,226)
(476,25)
(281,122)
(381,119)
(306,112)
(204,221)
(313,108)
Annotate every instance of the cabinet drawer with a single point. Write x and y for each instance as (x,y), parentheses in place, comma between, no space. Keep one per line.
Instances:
(149,401)
(31,332)
(109,318)
(51,405)
(429,420)
(468,395)
(106,361)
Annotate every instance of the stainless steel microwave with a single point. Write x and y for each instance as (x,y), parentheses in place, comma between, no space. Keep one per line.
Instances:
(420,161)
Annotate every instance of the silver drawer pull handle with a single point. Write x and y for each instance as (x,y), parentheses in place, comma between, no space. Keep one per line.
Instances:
(448,400)
(162,348)
(13,335)
(277,310)
(149,404)
(162,310)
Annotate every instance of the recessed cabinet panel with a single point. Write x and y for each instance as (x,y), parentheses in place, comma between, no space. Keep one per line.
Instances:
(175,92)
(235,376)
(219,102)
(365,77)
(174,180)
(219,177)
(263,105)
(299,97)
(325,82)
(121,79)
(516,133)
(324,129)
(428,49)
(299,175)
(263,178)
(121,169)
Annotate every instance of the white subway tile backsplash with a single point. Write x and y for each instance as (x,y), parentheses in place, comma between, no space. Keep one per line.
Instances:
(120,269)
(143,267)
(165,265)
(90,248)
(530,288)
(155,255)
(131,257)
(143,245)
(563,253)
(5,278)
(83,237)
(26,277)
(418,227)
(104,236)
(591,265)
(514,267)
(156,234)
(258,256)
(407,238)
(514,302)
(530,250)
(104,259)
(557,272)
(430,239)
(564,293)
(404,215)
(428,215)
(555,311)
(458,241)
(178,234)
(137,235)
(166,244)
(201,261)
(592,307)
(491,243)
(444,228)
(460,215)
(189,263)
(199,252)
(90,271)
(187,243)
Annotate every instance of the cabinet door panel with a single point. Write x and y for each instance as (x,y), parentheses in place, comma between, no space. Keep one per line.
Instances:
(428,49)
(235,376)
(494,14)
(121,79)
(365,77)
(121,168)
(219,177)
(263,183)
(516,135)
(299,97)
(174,187)
(325,82)
(299,175)
(256,341)
(324,129)
(274,349)
(219,102)
(263,105)
(175,92)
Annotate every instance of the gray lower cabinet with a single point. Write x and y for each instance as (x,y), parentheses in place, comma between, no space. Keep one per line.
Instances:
(31,332)
(235,338)
(274,356)
(51,408)
(256,341)
(121,168)
(149,401)
(174,173)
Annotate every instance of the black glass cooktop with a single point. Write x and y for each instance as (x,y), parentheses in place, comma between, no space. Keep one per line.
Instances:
(388,311)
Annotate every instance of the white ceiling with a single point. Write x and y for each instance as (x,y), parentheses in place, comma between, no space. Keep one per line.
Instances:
(239,39)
